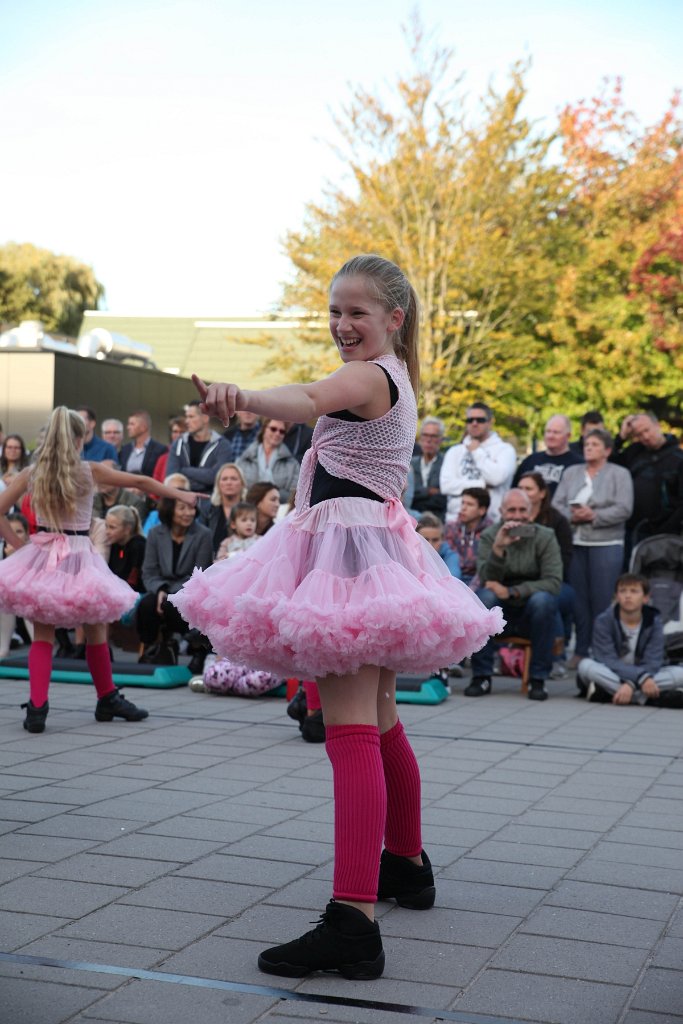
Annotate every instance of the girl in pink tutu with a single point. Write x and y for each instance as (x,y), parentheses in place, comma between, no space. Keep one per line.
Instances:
(345,591)
(58,578)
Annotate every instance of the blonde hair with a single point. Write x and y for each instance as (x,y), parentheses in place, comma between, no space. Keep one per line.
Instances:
(216,497)
(392,290)
(128,516)
(178,480)
(57,478)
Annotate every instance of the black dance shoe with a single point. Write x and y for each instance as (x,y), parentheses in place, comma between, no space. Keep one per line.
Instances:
(115,705)
(344,941)
(411,885)
(35,717)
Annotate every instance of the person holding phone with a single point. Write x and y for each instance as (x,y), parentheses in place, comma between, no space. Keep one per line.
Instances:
(520,566)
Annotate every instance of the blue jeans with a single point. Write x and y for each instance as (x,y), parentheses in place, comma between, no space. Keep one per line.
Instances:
(593,574)
(534,618)
(564,619)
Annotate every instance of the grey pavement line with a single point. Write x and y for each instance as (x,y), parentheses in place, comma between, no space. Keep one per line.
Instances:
(648,964)
(258,990)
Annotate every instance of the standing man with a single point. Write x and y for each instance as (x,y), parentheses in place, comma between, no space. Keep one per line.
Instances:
(483,459)
(591,420)
(552,462)
(242,433)
(427,496)
(112,431)
(141,453)
(655,463)
(199,452)
(94,448)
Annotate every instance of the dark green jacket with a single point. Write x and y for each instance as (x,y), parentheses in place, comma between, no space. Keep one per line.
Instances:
(530,564)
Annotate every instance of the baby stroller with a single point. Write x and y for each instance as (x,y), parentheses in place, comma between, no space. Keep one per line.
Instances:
(660,560)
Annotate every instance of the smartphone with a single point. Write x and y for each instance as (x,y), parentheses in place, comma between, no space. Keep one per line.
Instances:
(522,530)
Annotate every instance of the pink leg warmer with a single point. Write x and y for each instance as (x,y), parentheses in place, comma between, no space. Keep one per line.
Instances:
(312,695)
(403,835)
(360,808)
(39,669)
(99,663)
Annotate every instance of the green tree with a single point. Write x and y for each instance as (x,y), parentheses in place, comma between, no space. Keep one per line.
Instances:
(468,211)
(36,284)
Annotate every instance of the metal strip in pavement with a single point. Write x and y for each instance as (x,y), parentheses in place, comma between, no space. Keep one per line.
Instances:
(258,990)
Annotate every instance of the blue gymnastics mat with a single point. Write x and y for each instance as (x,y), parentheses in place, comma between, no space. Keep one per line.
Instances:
(417,690)
(125,673)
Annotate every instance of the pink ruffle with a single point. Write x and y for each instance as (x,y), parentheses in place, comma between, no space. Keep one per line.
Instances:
(62,581)
(316,596)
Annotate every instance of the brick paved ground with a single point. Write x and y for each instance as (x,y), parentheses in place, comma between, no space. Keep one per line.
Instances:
(173,850)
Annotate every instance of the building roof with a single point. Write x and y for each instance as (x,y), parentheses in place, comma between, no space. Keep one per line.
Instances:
(216,348)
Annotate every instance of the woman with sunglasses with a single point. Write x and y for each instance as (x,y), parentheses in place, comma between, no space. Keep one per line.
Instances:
(268,459)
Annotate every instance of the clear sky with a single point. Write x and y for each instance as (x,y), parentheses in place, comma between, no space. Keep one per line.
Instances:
(172,143)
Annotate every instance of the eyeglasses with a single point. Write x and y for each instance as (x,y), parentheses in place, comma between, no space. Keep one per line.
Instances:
(431,437)
(277,430)
(476,419)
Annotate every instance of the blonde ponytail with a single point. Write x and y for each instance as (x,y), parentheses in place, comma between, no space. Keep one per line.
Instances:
(57,477)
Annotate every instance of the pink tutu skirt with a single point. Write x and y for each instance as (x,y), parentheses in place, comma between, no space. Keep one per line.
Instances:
(61,580)
(343,584)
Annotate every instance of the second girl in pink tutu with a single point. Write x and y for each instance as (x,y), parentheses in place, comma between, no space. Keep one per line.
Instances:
(345,591)
(58,578)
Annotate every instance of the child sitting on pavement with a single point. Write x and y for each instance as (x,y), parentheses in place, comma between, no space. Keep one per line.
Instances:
(627,666)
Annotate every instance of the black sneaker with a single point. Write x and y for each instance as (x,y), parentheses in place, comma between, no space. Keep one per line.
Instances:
(35,717)
(596,695)
(313,728)
(296,708)
(196,663)
(115,705)
(669,699)
(537,690)
(410,885)
(479,687)
(344,941)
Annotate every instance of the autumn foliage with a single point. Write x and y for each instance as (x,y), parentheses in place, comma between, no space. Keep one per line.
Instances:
(548,264)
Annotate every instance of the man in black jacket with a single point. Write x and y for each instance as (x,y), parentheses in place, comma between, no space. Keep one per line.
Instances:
(627,666)
(427,469)
(655,462)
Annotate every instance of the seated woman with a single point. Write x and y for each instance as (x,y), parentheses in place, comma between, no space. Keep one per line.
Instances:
(598,499)
(173,550)
(269,459)
(126,545)
(266,497)
(174,480)
(228,491)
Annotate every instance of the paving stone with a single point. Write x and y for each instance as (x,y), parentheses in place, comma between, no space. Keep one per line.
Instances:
(612,899)
(525,853)
(244,870)
(661,990)
(197,895)
(651,857)
(645,1017)
(299,851)
(669,953)
(571,958)
(30,810)
(95,867)
(573,838)
(79,826)
(633,875)
(141,926)
(544,999)
(150,805)
(444,925)
(155,1002)
(17,928)
(488,898)
(227,959)
(40,847)
(56,896)
(676,925)
(44,1002)
(617,929)
(204,829)
(140,844)
(530,876)
(117,954)
(227,810)
(564,819)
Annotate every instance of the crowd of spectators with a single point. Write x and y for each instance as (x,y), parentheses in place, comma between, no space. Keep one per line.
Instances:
(547,538)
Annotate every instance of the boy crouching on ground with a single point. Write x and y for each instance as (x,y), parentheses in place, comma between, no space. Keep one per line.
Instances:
(627,666)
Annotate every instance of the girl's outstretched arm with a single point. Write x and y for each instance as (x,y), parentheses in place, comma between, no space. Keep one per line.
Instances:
(10,497)
(105,475)
(359,387)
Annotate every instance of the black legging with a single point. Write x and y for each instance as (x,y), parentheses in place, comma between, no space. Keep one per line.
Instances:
(149,621)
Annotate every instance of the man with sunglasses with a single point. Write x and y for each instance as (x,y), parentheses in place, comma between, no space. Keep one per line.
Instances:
(483,459)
